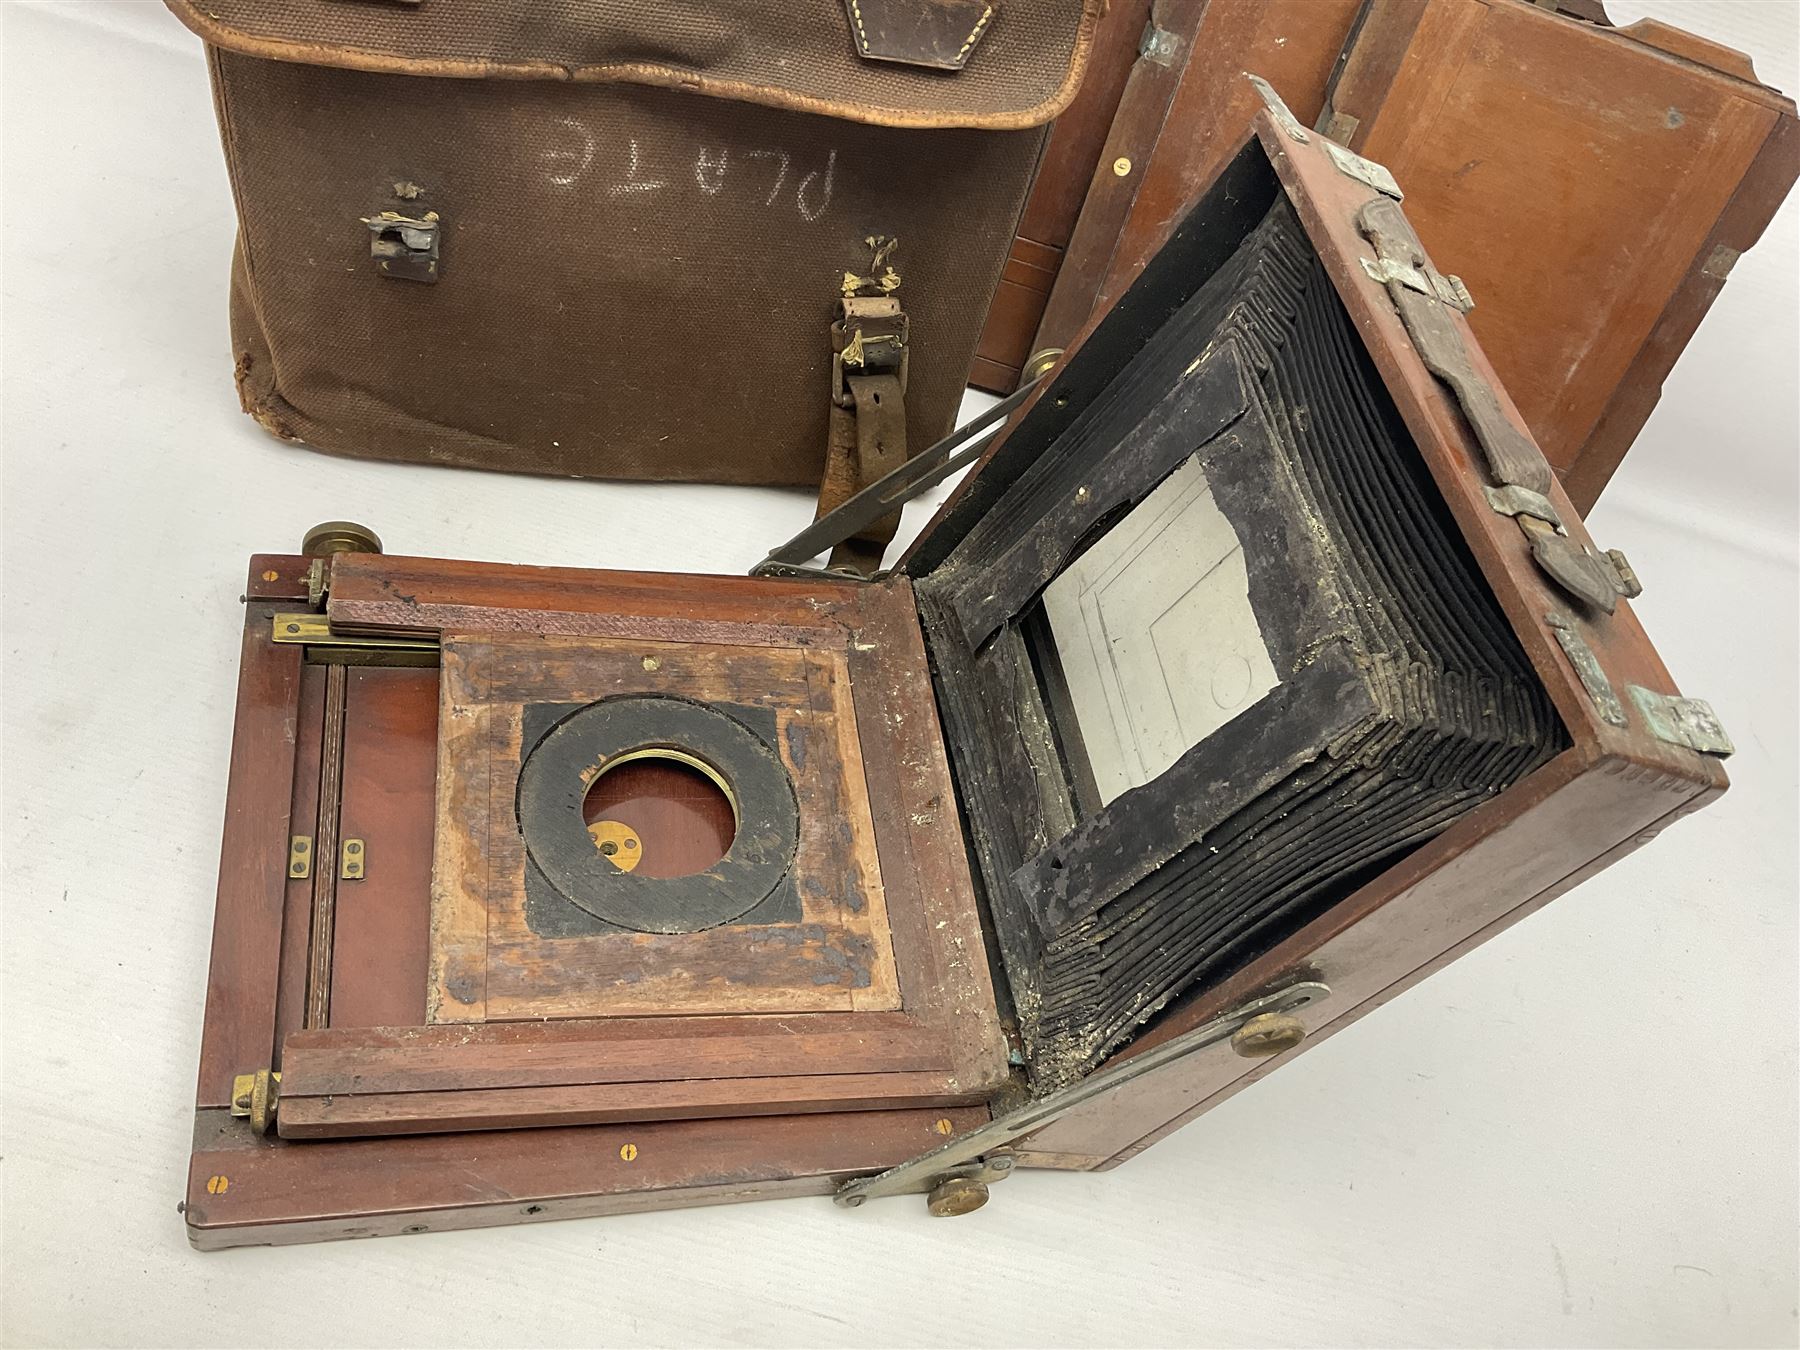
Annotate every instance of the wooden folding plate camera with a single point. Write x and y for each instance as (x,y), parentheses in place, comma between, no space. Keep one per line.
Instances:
(1261,667)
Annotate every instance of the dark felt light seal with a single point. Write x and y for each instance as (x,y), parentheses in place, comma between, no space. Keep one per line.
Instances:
(554,782)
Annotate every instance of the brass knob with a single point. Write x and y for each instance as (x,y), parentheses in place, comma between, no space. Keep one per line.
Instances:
(958,1195)
(1038,363)
(1268,1034)
(339,536)
(257,1097)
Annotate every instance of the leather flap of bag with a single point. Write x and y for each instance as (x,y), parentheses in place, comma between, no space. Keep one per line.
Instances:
(993,64)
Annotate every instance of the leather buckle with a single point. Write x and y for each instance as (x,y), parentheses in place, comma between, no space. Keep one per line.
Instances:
(870,339)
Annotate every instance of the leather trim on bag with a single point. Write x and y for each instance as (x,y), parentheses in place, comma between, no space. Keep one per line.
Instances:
(886,94)
(936,33)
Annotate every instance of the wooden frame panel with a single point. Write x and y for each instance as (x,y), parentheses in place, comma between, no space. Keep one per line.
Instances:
(341,1061)
(243,978)
(944,1044)
(834,955)
(378,960)
(1691,153)
(246,1191)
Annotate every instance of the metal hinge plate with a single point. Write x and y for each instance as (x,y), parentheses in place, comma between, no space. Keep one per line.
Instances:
(1158,45)
(1682,721)
(1521,474)
(1440,286)
(1513,500)
(1587,669)
(1593,577)
(1364,170)
(1279,110)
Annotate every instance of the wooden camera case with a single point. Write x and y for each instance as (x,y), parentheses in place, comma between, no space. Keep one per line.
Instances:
(403,1034)
(1594,184)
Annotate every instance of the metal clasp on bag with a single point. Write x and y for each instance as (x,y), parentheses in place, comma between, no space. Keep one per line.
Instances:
(405,246)
(869,340)
(870,336)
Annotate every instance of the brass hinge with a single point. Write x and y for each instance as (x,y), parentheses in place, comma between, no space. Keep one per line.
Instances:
(1444,287)
(300,856)
(1582,569)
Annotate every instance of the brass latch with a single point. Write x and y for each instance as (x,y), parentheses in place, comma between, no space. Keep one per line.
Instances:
(257,1096)
(1580,569)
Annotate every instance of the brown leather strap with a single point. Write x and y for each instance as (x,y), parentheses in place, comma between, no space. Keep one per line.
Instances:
(879,406)
(868,405)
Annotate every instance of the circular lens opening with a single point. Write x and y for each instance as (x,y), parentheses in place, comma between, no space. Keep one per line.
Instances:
(674,808)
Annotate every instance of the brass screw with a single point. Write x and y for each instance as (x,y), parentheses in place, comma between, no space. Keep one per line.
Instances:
(958,1195)
(1121,166)
(1268,1034)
